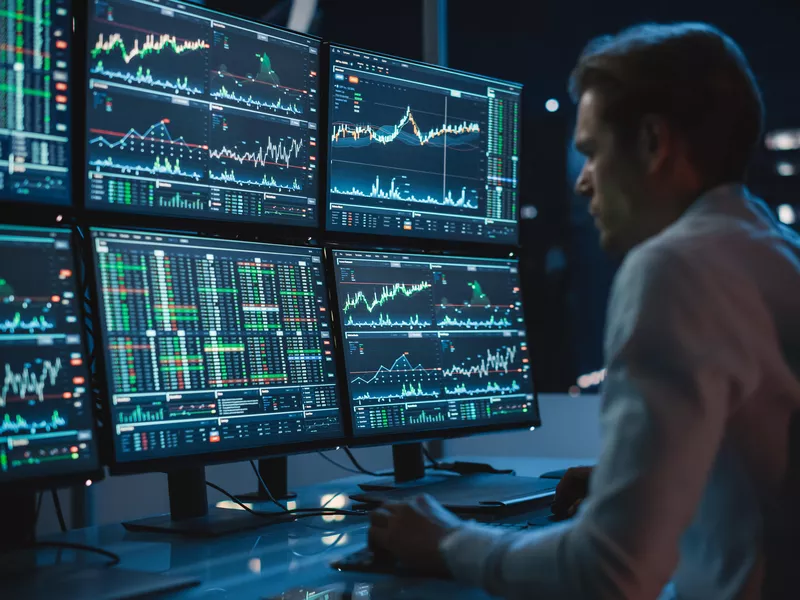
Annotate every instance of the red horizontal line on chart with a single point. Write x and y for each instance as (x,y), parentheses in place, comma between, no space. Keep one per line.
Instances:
(134,28)
(23,50)
(149,139)
(261,82)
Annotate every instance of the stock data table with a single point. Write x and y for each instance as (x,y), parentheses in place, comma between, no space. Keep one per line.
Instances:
(199,114)
(420,151)
(35,91)
(213,345)
(46,419)
(432,342)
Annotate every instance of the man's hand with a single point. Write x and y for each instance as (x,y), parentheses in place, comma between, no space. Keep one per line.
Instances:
(571,491)
(410,532)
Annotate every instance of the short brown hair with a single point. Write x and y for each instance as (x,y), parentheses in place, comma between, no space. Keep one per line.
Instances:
(693,75)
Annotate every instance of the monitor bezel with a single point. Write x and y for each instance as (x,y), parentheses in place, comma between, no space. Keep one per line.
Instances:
(380,439)
(168,463)
(398,240)
(217,223)
(44,482)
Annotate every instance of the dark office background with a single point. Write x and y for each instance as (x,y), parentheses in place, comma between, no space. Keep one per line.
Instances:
(537,43)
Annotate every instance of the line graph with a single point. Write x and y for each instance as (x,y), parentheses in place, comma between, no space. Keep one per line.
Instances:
(31,381)
(144,76)
(248,100)
(411,322)
(490,388)
(158,167)
(17,322)
(157,132)
(280,153)
(403,193)
(229,176)
(497,361)
(407,391)
(475,323)
(400,365)
(387,294)
(19,424)
(351,135)
(108,44)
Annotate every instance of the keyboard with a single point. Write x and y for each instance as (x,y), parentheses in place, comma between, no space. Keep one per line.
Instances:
(363,560)
(482,492)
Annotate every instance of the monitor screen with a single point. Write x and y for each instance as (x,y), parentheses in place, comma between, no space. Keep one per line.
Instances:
(420,151)
(433,342)
(197,114)
(213,345)
(46,419)
(35,41)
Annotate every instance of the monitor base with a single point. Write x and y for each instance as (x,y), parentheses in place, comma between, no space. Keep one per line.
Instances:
(190,514)
(275,473)
(217,522)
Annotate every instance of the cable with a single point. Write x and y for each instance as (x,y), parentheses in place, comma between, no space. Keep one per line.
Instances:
(266,489)
(115,560)
(428,455)
(40,497)
(296,513)
(342,467)
(59,512)
(359,467)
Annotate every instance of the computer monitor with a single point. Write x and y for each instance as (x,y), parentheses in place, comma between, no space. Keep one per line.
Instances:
(199,114)
(434,346)
(35,92)
(213,347)
(421,151)
(46,413)
(214,350)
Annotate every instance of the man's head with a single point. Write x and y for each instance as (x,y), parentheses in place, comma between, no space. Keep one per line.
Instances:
(665,112)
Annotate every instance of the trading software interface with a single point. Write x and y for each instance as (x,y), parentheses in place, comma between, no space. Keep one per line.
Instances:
(46,420)
(213,345)
(432,343)
(419,151)
(198,114)
(35,37)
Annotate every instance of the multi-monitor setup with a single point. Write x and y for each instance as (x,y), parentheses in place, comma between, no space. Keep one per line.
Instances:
(146,337)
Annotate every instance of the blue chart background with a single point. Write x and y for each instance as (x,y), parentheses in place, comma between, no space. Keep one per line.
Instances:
(135,25)
(234,60)
(247,134)
(128,112)
(421,168)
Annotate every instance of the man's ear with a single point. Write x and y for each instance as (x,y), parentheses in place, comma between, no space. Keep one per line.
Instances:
(655,142)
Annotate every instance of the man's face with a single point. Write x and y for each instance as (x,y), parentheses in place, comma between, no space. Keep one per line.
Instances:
(612,178)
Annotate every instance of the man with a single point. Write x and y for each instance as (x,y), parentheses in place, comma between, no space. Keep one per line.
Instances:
(702,347)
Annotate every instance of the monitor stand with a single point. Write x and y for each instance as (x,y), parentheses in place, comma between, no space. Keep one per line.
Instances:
(19,530)
(275,473)
(190,514)
(409,471)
